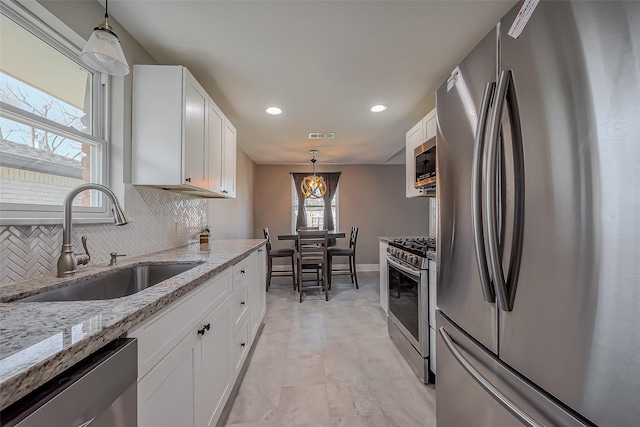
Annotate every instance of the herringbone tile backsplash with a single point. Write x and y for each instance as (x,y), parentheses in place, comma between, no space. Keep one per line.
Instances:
(158,220)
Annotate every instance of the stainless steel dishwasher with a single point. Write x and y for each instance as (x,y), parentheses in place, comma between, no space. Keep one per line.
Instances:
(99,391)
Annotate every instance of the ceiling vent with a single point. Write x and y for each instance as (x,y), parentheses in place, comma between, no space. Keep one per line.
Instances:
(322,135)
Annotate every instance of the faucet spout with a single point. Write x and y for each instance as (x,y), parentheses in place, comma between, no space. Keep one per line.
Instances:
(68,262)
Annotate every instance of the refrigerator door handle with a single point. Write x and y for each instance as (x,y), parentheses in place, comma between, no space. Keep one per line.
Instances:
(476,194)
(505,290)
(486,385)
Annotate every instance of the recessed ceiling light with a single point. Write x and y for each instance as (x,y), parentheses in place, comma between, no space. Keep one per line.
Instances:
(274,111)
(378,108)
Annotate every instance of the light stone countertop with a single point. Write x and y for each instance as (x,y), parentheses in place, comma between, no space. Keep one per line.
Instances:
(39,340)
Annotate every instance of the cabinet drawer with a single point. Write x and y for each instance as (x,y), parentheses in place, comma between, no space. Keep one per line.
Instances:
(241,272)
(239,305)
(164,330)
(240,346)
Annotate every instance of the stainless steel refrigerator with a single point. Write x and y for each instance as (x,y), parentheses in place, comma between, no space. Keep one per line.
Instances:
(539,222)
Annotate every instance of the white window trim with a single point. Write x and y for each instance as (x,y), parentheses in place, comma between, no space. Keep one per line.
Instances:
(294,195)
(37,19)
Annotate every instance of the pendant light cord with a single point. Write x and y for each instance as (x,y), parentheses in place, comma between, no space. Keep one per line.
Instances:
(106,9)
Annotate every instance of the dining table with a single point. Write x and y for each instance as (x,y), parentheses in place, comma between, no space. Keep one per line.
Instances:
(330,234)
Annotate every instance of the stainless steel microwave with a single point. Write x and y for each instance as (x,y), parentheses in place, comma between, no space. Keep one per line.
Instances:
(425,165)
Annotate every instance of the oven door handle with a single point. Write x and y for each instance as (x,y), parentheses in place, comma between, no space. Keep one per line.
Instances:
(404,269)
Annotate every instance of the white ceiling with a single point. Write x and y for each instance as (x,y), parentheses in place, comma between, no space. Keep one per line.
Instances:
(325,63)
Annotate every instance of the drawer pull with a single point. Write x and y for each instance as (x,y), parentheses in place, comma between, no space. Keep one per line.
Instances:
(242,303)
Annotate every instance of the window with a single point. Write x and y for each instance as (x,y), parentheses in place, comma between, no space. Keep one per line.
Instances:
(314,209)
(51,120)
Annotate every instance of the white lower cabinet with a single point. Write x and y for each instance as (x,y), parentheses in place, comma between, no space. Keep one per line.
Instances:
(167,394)
(384,279)
(258,295)
(216,380)
(194,349)
(239,347)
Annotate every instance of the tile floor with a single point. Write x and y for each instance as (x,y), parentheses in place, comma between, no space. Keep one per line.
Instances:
(331,363)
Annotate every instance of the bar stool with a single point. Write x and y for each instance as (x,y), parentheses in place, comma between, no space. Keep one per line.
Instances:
(350,253)
(279,253)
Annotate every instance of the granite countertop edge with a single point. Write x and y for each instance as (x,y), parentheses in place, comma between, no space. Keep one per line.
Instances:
(129,311)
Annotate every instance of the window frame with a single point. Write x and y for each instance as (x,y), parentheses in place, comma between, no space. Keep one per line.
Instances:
(44,25)
(294,197)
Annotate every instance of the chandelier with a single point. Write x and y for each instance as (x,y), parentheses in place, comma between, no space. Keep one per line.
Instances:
(313,186)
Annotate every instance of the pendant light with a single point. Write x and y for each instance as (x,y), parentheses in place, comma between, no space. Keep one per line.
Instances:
(313,186)
(103,51)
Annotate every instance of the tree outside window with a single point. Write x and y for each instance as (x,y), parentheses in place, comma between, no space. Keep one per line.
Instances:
(49,140)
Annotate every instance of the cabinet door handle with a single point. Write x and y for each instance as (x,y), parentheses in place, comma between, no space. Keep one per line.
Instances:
(207,326)
(201,331)
(242,271)
(259,250)
(242,303)
(188,179)
(225,191)
(242,344)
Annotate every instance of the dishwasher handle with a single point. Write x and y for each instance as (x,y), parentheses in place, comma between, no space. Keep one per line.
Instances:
(80,394)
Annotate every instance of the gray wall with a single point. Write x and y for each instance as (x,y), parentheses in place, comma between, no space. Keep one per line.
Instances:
(371,197)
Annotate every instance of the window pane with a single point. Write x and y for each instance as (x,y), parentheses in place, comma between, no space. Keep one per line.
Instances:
(314,209)
(39,79)
(39,167)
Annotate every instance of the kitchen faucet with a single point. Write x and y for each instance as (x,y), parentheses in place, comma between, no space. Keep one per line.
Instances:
(68,261)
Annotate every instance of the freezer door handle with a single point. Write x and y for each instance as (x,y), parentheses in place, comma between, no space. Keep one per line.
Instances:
(488,292)
(486,385)
(505,289)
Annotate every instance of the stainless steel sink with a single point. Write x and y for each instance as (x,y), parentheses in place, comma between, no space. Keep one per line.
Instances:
(127,281)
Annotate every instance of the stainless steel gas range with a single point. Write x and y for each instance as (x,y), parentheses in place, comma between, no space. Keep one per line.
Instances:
(409,306)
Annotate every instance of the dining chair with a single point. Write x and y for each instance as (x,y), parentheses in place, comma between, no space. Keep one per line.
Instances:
(350,253)
(316,227)
(279,253)
(312,255)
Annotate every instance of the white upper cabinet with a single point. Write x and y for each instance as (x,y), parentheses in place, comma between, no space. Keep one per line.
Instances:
(216,140)
(178,133)
(229,160)
(196,106)
(424,130)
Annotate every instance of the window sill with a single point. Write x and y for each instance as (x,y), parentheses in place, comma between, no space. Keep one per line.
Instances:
(7,221)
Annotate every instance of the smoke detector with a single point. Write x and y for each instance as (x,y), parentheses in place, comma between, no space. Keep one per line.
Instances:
(322,135)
